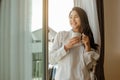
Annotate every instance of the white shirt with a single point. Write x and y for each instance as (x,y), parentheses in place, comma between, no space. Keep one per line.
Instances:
(51,36)
(74,64)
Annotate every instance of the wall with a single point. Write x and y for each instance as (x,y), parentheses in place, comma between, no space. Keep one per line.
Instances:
(112,39)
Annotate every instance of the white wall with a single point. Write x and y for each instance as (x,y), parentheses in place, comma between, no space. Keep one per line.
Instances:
(112,39)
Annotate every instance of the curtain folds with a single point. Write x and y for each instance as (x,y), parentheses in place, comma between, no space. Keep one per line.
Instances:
(94,9)
(100,66)
(15,40)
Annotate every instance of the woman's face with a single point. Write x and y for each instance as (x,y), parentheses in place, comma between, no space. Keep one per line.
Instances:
(75,21)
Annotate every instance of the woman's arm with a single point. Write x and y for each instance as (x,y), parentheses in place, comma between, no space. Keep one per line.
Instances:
(90,55)
(58,49)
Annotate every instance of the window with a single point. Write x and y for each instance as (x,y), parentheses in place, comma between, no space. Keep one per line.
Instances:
(36,15)
(58,14)
(58,20)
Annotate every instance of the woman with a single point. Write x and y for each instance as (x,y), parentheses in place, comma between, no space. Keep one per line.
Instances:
(75,56)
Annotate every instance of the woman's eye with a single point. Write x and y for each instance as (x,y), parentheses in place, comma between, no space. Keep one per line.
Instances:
(76,16)
(73,17)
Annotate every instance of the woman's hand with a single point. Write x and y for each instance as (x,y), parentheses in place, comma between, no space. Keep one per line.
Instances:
(86,42)
(71,43)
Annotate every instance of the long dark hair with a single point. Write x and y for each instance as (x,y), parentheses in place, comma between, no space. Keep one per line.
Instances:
(85,27)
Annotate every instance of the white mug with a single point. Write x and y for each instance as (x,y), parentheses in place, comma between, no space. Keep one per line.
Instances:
(75,34)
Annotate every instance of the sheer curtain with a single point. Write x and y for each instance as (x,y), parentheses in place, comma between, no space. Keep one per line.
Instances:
(94,9)
(90,7)
(15,40)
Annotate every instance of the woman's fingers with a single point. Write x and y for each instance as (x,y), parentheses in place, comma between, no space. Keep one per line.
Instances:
(72,42)
(85,39)
(75,40)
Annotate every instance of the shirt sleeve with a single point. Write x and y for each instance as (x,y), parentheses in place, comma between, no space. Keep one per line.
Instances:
(57,52)
(90,58)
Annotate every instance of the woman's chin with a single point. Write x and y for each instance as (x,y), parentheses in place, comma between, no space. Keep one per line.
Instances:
(75,29)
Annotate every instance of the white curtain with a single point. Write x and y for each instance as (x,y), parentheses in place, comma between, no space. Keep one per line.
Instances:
(90,7)
(15,40)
